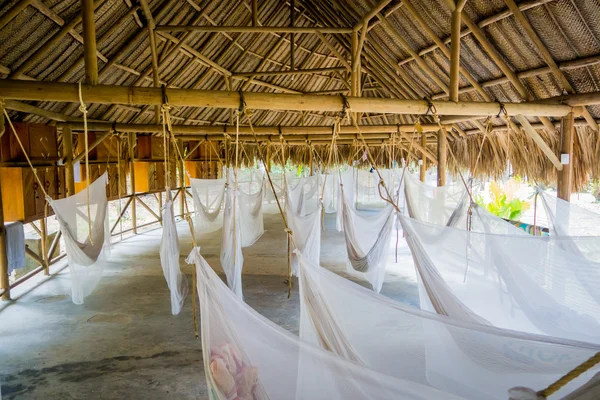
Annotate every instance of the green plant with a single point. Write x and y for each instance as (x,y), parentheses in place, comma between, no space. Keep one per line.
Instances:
(501,205)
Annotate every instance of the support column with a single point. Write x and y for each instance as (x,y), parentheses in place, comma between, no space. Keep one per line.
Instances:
(354,74)
(565,177)
(182,194)
(442,157)
(132,137)
(268,158)
(4,284)
(454,54)
(89,42)
(44,246)
(67,143)
(423,157)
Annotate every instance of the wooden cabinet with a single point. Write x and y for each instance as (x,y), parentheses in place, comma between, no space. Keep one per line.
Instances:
(150,148)
(39,142)
(22,197)
(112,189)
(150,176)
(202,170)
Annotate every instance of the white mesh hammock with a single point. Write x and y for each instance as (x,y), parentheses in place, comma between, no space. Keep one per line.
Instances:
(86,255)
(169,257)
(469,360)
(208,195)
(306,228)
(232,259)
(520,282)
(248,357)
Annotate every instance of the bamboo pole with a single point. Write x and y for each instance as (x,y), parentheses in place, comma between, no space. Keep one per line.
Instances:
(291,72)
(105,94)
(131,144)
(44,245)
(153,52)
(442,151)
(4,281)
(250,29)
(13,12)
(539,141)
(565,176)
(455,51)
(254,13)
(423,169)
(332,48)
(67,143)
(89,42)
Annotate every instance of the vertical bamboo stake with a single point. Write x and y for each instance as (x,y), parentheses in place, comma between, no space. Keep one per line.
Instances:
(4,283)
(182,199)
(67,143)
(423,170)
(565,177)
(442,157)
(89,42)
(131,143)
(44,230)
(455,53)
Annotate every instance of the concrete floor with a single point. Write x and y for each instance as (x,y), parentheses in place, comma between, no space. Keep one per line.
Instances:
(124,342)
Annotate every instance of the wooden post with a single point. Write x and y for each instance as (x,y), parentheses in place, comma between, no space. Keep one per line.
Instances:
(423,169)
(268,160)
(354,75)
(454,54)
(44,247)
(254,12)
(153,52)
(67,142)
(89,42)
(442,157)
(4,284)
(565,177)
(311,160)
(292,11)
(131,143)
(182,195)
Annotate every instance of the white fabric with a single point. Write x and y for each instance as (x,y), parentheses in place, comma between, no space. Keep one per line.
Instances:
(248,357)
(270,202)
(84,254)
(232,259)
(250,215)
(566,219)
(468,360)
(518,282)
(169,257)
(208,197)
(306,229)
(331,189)
(15,245)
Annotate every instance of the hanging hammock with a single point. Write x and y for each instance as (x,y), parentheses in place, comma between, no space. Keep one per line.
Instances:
(208,195)
(86,236)
(169,257)
(464,359)
(246,356)
(232,259)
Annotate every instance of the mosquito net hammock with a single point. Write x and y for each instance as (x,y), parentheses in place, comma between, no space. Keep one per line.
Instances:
(83,221)
(367,233)
(567,219)
(469,360)
(514,281)
(246,356)
(305,227)
(169,257)
(271,196)
(208,195)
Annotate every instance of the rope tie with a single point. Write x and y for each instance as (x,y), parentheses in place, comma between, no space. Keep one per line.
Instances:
(84,111)
(502,110)
(431,110)
(574,373)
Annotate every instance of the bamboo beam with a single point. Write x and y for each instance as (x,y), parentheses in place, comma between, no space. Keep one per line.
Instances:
(131,142)
(423,169)
(274,130)
(255,13)
(105,94)
(548,59)
(292,72)
(525,5)
(154,53)
(67,155)
(529,130)
(30,109)
(364,22)
(580,99)
(250,29)
(442,153)
(4,281)
(89,42)
(565,176)
(13,12)
(50,44)
(455,51)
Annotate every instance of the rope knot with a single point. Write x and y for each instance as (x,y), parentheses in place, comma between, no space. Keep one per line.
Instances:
(288,231)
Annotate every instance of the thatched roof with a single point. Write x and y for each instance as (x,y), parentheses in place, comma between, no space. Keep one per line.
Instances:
(568,29)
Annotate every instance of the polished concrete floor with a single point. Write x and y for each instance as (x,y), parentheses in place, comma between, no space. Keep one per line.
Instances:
(123,343)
